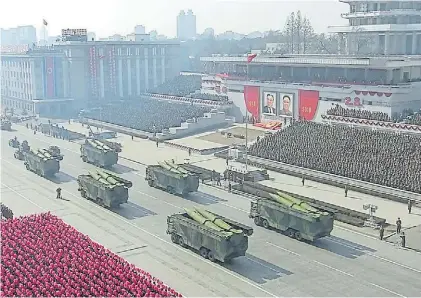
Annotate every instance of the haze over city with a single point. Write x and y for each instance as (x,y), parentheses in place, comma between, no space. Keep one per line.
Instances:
(108,17)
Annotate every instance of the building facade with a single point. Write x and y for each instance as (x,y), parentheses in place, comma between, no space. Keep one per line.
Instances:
(22,35)
(381,28)
(186,25)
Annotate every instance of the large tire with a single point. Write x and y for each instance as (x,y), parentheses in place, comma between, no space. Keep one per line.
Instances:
(181,242)
(298,236)
(211,256)
(170,190)
(83,194)
(151,183)
(204,252)
(174,238)
(265,224)
(257,221)
(290,233)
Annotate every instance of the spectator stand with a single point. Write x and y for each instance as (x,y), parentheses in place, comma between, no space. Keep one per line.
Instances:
(44,257)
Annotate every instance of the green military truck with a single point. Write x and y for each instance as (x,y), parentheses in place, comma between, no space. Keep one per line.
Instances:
(215,237)
(97,153)
(172,177)
(292,216)
(6,125)
(104,188)
(41,162)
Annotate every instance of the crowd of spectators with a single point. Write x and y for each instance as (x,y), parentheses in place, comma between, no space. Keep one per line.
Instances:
(378,157)
(407,116)
(207,96)
(150,115)
(182,85)
(338,110)
(44,257)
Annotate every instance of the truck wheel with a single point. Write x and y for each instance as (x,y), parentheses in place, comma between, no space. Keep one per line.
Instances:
(298,236)
(174,238)
(204,252)
(265,224)
(27,167)
(290,233)
(84,159)
(181,242)
(257,221)
(169,189)
(211,256)
(151,183)
(83,194)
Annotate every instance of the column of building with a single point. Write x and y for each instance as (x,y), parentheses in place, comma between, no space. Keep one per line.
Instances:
(146,68)
(129,72)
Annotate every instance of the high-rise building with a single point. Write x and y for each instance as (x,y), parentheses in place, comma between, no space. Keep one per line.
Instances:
(139,29)
(381,28)
(186,25)
(19,36)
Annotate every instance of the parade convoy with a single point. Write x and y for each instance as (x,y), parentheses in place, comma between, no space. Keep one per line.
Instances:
(213,236)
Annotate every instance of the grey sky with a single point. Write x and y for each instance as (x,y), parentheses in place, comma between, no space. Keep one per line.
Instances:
(107,17)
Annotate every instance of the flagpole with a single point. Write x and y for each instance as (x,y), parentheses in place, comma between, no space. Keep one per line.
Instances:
(247,120)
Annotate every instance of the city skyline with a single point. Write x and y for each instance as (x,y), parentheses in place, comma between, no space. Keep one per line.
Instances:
(237,16)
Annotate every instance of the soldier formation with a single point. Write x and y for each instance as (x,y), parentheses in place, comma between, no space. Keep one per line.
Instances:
(149,115)
(207,96)
(378,157)
(44,257)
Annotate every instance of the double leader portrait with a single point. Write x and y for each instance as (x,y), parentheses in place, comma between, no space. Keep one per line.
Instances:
(275,105)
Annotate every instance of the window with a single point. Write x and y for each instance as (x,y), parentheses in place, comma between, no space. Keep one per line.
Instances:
(162,51)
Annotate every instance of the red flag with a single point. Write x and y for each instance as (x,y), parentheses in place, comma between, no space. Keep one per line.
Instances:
(250,57)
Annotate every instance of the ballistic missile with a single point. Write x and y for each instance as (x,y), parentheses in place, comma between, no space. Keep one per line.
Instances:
(206,222)
(217,221)
(298,202)
(126,183)
(109,178)
(98,177)
(288,203)
(177,167)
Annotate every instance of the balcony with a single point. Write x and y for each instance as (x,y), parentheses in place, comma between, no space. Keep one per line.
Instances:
(375,28)
(388,13)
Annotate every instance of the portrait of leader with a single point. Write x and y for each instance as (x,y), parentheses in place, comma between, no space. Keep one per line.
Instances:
(286,106)
(269,107)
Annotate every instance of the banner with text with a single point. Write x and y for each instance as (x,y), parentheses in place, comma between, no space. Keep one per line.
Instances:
(309,102)
(252,99)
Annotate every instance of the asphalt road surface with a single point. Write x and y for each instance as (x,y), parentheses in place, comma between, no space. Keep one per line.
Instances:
(345,264)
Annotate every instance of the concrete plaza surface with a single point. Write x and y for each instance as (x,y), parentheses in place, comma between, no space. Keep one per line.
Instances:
(344,264)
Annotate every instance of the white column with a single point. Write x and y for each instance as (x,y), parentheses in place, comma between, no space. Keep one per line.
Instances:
(101,78)
(162,69)
(155,78)
(33,81)
(414,43)
(137,75)
(120,76)
(65,65)
(129,77)
(387,43)
(146,69)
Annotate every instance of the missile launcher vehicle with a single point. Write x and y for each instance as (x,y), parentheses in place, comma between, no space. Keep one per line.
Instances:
(41,162)
(215,237)
(292,216)
(172,177)
(98,153)
(6,125)
(55,152)
(104,188)
(14,143)
(22,148)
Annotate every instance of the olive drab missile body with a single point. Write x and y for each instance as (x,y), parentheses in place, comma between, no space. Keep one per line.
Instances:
(291,215)
(172,178)
(97,153)
(193,229)
(39,161)
(105,188)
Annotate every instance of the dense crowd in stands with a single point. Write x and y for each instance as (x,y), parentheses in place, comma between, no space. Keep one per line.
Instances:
(44,257)
(149,115)
(378,157)
(182,85)
(407,116)
(338,110)
(207,96)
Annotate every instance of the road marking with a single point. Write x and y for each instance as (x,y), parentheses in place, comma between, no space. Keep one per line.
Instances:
(287,250)
(161,239)
(374,255)
(155,198)
(387,290)
(333,268)
(22,196)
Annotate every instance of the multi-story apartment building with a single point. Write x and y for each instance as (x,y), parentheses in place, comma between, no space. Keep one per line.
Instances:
(381,27)
(186,25)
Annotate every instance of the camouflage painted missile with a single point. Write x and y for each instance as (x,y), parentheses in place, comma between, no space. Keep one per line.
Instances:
(126,183)
(110,179)
(288,203)
(298,202)
(98,177)
(45,153)
(177,167)
(206,222)
(102,145)
(217,221)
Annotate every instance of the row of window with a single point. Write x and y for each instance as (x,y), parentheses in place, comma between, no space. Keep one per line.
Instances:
(133,51)
(16,94)
(385,6)
(385,20)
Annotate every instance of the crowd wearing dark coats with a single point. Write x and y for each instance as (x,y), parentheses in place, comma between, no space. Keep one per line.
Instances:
(182,85)
(44,257)
(151,115)
(207,96)
(358,113)
(378,157)
(6,212)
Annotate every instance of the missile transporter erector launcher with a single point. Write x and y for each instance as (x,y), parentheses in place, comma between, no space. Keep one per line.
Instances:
(292,216)
(104,188)
(41,162)
(97,153)
(6,124)
(213,236)
(172,178)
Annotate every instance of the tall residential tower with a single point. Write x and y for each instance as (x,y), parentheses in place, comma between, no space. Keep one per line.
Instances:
(186,25)
(381,28)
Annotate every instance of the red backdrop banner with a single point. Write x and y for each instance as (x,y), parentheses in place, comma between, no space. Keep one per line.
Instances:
(252,100)
(309,101)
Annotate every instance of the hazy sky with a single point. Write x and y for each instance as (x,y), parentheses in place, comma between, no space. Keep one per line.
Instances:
(107,17)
